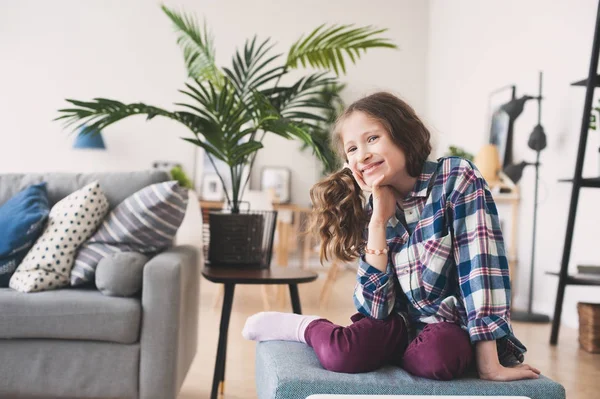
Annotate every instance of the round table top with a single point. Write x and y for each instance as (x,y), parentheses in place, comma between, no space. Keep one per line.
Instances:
(274,275)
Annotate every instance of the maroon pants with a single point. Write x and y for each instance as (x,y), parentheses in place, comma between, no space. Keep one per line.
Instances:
(442,351)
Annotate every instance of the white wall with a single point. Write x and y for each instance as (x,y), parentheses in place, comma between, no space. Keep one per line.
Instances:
(126,50)
(478,46)
(50,51)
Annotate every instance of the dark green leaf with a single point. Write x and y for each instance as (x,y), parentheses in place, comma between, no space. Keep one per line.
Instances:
(325,47)
(197,45)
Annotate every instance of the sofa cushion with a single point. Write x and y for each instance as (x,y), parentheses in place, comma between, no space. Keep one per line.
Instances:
(52,369)
(146,223)
(291,370)
(121,274)
(116,185)
(71,222)
(22,220)
(79,314)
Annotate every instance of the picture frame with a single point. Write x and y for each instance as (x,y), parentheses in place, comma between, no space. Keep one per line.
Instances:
(499,133)
(277,179)
(212,188)
(208,167)
(500,128)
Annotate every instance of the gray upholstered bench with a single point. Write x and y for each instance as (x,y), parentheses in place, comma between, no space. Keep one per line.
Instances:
(290,370)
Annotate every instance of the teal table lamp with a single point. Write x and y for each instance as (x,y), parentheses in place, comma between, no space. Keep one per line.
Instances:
(92,139)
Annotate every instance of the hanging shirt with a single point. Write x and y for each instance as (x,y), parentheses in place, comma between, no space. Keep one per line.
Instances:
(446,259)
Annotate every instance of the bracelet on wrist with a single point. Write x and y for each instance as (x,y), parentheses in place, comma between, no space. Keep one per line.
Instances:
(383,251)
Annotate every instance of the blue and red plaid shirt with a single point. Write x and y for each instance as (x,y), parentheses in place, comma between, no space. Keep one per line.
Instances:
(446,259)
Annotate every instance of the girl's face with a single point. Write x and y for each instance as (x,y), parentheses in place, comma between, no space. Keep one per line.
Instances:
(371,152)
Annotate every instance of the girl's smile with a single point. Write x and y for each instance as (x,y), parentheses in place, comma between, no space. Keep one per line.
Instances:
(371,168)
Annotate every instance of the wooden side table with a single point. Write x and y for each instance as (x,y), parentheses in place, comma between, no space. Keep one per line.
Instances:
(229,277)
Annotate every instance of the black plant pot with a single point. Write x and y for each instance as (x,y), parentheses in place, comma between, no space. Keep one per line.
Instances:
(240,239)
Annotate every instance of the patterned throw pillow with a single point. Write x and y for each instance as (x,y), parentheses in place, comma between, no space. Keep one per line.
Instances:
(22,220)
(71,221)
(146,222)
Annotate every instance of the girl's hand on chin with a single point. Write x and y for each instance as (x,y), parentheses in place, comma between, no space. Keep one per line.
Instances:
(359,179)
(384,202)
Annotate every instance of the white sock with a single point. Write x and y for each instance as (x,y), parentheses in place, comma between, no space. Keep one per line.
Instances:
(272,326)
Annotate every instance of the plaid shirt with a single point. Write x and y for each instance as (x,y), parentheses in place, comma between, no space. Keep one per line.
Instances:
(446,259)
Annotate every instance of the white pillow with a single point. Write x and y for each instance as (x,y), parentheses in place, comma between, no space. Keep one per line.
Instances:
(71,222)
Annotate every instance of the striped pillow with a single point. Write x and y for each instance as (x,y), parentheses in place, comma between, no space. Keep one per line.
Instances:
(146,222)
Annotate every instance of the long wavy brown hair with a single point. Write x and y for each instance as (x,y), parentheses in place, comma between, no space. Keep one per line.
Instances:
(338,218)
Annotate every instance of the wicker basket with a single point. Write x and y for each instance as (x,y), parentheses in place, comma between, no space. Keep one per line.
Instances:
(243,240)
(589,326)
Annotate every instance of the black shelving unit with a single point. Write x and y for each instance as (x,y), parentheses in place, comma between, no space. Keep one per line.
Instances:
(590,182)
(580,279)
(584,82)
(578,182)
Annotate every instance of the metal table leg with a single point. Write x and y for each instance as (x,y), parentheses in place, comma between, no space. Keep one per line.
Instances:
(219,375)
(295,299)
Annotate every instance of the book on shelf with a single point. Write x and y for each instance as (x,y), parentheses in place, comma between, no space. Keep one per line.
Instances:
(588,269)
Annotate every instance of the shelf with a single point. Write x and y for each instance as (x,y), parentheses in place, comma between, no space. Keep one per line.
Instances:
(580,279)
(589,182)
(584,82)
(502,197)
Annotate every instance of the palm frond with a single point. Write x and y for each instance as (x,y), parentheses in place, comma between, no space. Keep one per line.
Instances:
(197,45)
(302,94)
(208,147)
(242,151)
(253,68)
(95,115)
(102,112)
(326,47)
(222,105)
(320,129)
(322,139)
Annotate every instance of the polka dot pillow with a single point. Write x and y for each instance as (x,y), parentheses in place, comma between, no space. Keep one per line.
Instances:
(71,222)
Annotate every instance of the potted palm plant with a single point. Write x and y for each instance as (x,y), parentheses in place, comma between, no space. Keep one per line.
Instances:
(232,109)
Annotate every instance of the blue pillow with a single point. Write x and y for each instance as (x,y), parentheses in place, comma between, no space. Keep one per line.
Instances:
(22,220)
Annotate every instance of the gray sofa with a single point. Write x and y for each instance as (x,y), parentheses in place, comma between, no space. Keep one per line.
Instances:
(79,343)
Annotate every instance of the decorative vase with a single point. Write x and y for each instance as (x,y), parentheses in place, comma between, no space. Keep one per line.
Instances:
(488,163)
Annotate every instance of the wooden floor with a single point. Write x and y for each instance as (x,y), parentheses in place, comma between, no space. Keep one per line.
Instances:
(576,369)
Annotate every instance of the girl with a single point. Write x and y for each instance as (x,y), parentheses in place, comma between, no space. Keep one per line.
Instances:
(433,287)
